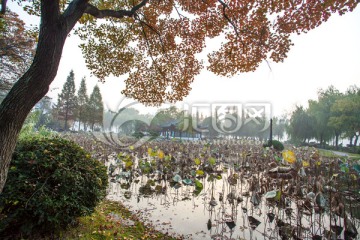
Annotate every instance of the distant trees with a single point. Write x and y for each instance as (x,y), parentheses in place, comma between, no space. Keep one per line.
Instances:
(95,108)
(320,110)
(345,114)
(301,125)
(67,101)
(82,108)
(82,104)
(332,116)
(279,127)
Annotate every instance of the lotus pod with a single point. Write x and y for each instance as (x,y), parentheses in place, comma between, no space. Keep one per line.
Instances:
(253,222)
(315,155)
(271,216)
(230,224)
(213,202)
(209,224)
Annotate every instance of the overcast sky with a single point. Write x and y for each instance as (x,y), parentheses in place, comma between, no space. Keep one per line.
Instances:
(328,55)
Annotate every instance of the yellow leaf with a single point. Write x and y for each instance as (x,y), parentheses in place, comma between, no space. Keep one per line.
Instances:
(305,163)
(289,156)
(160,154)
(149,151)
(131,148)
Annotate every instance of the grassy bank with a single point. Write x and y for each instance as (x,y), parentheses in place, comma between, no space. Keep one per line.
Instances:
(330,153)
(111,220)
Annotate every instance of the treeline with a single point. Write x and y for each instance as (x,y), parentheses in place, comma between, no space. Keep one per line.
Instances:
(177,123)
(73,110)
(334,115)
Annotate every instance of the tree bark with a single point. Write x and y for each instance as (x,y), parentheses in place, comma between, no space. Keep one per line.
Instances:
(337,140)
(356,140)
(34,84)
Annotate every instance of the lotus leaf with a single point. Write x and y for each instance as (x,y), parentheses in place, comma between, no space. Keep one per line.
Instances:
(344,167)
(212,161)
(198,187)
(177,178)
(289,156)
(160,154)
(199,172)
(305,163)
(187,181)
(273,195)
(356,167)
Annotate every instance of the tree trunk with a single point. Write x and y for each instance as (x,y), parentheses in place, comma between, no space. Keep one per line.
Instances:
(321,141)
(66,119)
(270,137)
(34,84)
(337,140)
(356,140)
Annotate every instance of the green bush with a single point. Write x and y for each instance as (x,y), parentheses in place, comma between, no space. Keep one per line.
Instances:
(275,144)
(51,182)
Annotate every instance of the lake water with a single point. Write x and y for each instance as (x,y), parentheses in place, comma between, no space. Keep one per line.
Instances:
(219,211)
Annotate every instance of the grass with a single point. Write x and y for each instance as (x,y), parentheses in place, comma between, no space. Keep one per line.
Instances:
(101,226)
(354,156)
(327,153)
(331,154)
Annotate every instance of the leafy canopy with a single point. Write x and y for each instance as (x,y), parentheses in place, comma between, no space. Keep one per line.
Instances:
(16,50)
(156,42)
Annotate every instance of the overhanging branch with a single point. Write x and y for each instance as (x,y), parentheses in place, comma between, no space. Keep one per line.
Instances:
(94,11)
(227,17)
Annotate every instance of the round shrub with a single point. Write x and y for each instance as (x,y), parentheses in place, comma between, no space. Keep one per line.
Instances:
(276,145)
(51,182)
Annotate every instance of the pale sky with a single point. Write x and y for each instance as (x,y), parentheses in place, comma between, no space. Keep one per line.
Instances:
(327,55)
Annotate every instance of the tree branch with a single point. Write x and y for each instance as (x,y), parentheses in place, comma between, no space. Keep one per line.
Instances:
(151,55)
(94,11)
(227,18)
(154,30)
(74,12)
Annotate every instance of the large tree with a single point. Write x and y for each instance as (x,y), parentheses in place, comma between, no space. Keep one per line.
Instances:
(155,43)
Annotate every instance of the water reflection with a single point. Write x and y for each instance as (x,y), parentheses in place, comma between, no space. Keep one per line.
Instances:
(232,198)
